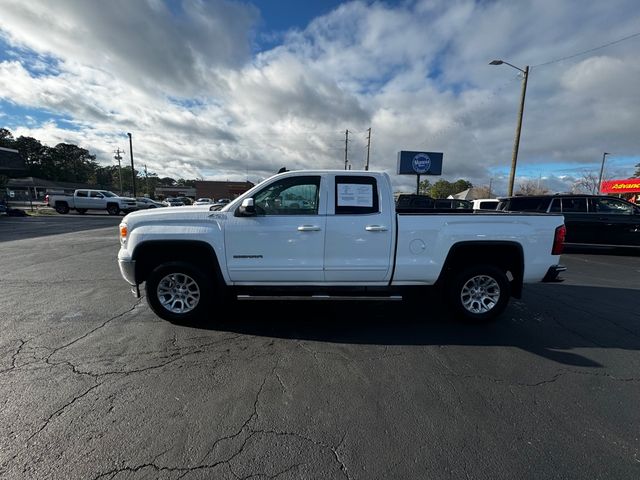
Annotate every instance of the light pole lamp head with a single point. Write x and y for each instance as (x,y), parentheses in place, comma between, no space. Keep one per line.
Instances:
(496,62)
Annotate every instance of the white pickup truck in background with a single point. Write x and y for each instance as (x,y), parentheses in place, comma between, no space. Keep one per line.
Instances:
(86,199)
(342,238)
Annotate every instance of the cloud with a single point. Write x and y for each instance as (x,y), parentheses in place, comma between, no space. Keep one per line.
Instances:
(182,77)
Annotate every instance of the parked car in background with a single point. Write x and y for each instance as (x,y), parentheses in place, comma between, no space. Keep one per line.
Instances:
(173,202)
(591,220)
(486,204)
(453,203)
(87,199)
(185,200)
(414,201)
(218,204)
(203,201)
(144,202)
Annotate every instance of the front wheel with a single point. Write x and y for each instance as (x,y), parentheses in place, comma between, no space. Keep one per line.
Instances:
(179,292)
(113,209)
(479,293)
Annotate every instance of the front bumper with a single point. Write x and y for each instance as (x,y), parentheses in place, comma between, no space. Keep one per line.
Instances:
(553,272)
(128,270)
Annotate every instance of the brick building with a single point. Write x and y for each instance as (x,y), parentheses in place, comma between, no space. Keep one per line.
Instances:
(218,190)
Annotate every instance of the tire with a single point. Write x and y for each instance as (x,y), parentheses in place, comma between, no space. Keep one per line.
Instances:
(113,209)
(81,211)
(179,292)
(62,208)
(479,293)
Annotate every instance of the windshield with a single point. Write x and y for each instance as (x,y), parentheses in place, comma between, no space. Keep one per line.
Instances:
(108,194)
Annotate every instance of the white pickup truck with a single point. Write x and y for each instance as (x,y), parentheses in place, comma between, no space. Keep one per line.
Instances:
(85,199)
(343,238)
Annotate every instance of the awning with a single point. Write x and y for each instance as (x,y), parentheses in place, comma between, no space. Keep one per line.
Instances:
(628,185)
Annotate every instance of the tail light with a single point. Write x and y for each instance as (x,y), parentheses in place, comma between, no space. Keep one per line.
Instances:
(558,240)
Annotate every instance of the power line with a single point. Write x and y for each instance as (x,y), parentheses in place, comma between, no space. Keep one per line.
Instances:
(628,37)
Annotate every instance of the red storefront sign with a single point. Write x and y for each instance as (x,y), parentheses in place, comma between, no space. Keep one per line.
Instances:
(629,185)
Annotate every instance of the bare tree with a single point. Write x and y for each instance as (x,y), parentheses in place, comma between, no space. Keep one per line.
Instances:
(587,183)
(482,192)
(530,187)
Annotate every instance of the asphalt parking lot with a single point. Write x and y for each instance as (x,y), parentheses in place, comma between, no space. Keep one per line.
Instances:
(93,385)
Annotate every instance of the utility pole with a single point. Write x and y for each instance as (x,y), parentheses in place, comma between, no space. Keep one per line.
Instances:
(604,155)
(146,179)
(366,167)
(118,158)
(490,185)
(346,145)
(516,143)
(133,170)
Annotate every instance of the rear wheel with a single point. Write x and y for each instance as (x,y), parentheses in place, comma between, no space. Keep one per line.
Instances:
(179,292)
(113,209)
(479,293)
(62,208)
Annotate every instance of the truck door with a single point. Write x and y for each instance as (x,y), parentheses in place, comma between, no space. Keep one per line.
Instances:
(618,221)
(284,242)
(81,199)
(96,200)
(359,232)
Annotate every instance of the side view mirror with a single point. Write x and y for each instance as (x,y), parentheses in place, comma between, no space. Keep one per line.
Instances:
(247,208)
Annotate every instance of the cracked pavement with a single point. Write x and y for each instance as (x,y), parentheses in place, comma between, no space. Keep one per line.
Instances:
(94,386)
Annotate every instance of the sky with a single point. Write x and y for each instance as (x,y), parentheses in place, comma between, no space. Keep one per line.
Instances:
(230,90)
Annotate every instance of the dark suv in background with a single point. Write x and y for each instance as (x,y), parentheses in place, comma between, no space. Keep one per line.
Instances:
(591,220)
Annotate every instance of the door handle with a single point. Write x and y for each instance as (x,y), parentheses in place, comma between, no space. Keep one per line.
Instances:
(308,228)
(375,228)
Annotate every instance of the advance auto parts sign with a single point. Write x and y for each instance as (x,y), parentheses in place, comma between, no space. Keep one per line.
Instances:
(419,163)
(629,185)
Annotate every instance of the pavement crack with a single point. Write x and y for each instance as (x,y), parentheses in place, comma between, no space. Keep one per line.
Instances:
(14,357)
(322,445)
(103,324)
(60,410)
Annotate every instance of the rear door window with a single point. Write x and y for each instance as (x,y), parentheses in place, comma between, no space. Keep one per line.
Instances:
(529,204)
(574,205)
(356,195)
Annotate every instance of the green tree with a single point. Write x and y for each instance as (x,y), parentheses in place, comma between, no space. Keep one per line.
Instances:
(424,187)
(6,138)
(33,153)
(185,183)
(73,163)
(166,182)
(443,188)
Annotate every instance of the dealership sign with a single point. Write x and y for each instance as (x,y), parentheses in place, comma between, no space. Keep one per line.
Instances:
(419,163)
(629,185)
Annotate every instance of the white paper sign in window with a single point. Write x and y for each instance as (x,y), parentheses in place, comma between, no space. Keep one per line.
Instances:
(355,195)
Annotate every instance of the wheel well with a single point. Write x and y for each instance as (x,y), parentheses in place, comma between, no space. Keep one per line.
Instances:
(505,255)
(148,255)
(61,202)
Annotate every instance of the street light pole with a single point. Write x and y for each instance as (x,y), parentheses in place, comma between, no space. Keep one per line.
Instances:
(601,172)
(133,170)
(516,143)
(118,157)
